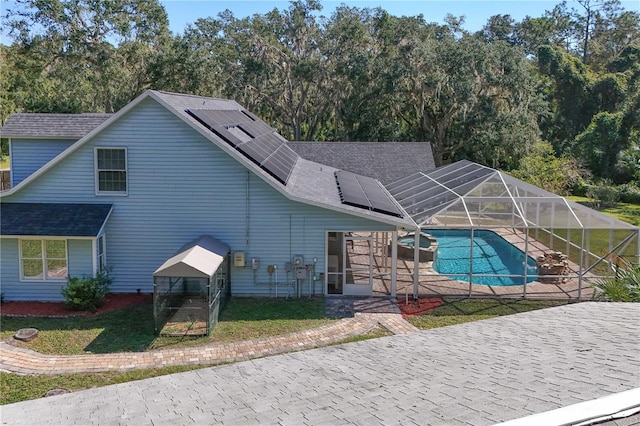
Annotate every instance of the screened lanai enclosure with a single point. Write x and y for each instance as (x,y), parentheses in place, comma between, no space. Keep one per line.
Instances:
(190,288)
(493,235)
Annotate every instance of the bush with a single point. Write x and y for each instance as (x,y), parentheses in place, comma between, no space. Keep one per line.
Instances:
(629,193)
(624,287)
(604,194)
(86,294)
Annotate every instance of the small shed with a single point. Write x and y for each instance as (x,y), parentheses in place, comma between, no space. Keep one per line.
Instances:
(190,288)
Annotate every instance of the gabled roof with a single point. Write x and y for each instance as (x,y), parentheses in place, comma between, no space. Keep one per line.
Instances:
(61,220)
(200,258)
(385,161)
(469,195)
(308,182)
(51,126)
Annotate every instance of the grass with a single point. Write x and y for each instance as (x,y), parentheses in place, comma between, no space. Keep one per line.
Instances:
(459,311)
(248,318)
(4,162)
(132,329)
(16,387)
(126,330)
(598,239)
(627,212)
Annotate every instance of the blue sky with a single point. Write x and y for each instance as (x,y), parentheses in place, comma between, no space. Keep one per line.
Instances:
(476,12)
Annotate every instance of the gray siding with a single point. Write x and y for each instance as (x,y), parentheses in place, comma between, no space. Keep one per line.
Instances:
(181,186)
(79,263)
(28,155)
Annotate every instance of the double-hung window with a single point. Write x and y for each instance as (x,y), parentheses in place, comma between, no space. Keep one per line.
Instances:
(43,260)
(111,171)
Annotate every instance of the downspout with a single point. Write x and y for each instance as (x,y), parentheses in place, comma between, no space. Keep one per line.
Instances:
(94,257)
(637,247)
(247,217)
(416,262)
(471,263)
(526,262)
(581,263)
(394,263)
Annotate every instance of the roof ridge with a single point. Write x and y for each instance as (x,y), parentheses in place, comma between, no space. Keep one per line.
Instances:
(186,95)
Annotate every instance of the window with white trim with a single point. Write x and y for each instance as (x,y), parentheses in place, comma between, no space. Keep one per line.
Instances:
(111,171)
(43,260)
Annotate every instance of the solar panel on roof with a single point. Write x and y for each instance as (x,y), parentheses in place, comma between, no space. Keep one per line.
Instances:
(256,128)
(365,192)
(250,115)
(253,138)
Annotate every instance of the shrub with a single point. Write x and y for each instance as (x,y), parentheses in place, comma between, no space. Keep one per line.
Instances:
(86,294)
(624,287)
(604,194)
(629,193)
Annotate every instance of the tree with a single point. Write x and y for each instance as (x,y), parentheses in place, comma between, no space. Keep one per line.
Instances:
(543,169)
(604,29)
(568,94)
(465,96)
(499,28)
(274,66)
(92,52)
(600,144)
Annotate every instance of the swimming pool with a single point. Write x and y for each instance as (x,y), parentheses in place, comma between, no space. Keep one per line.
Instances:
(492,255)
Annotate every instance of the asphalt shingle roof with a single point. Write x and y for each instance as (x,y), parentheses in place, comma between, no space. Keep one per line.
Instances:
(45,125)
(385,161)
(310,181)
(64,220)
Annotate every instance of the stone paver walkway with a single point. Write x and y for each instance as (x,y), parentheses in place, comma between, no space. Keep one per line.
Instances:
(477,373)
(24,361)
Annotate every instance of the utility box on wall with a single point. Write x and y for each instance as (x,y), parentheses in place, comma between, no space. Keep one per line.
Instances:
(239,259)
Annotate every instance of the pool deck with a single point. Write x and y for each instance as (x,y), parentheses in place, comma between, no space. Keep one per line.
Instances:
(432,283)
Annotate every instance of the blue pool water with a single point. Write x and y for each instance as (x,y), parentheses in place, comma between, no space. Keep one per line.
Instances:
(492,255)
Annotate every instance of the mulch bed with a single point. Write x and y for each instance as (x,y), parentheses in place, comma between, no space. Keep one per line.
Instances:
(419,306)
(57,309)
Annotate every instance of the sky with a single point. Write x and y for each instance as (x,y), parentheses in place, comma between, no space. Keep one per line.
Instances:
(476,12)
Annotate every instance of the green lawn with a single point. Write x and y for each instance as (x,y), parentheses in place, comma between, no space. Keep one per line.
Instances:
(132,330)
(597,240)
(627,212)
(17,387)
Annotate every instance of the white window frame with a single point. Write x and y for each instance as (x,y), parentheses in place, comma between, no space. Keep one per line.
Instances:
(43,248)
(97,171)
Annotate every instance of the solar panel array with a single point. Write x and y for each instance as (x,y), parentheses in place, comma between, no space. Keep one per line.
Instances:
(252,137)
(365,192)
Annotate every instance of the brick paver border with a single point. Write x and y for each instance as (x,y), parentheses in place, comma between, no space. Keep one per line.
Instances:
(24,361)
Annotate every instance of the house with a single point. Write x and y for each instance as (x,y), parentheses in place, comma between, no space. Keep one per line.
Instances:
(125,191)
